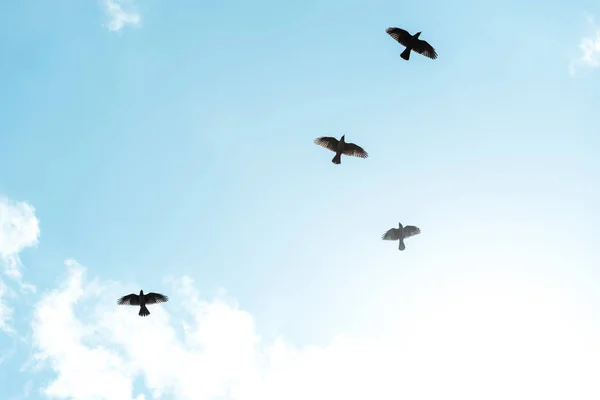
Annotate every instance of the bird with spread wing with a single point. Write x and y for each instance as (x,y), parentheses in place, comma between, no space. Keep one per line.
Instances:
(400,234)
(341,147)
(411,42)
(141,300)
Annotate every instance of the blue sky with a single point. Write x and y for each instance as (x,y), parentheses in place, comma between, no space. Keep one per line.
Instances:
(169,147)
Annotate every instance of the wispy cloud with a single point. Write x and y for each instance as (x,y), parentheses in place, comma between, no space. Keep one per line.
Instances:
(5,310)
(19,229)
(118,16)
(212,350)
(589,47)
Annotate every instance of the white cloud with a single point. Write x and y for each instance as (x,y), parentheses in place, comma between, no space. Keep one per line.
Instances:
(19,229)
(589,47)
(492,348)
(118,16)
(5,311)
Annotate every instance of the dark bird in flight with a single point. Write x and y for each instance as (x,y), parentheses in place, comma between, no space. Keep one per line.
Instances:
(141,300)
(341,147)
(412,42)
(400,234)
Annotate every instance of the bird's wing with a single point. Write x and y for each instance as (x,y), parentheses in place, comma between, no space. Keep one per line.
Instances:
(328,142)
(422,47)
(129,300)
(153,298)
(410,230)
(400,35)
(351,149)
(392,234)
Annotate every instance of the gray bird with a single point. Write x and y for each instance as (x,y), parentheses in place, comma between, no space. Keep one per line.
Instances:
(412,42)
(141,300)
(400,234)
(341,147)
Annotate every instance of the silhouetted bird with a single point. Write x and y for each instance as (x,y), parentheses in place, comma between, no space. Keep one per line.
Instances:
(400,234)
(341,147)
(411,43)
(141,300)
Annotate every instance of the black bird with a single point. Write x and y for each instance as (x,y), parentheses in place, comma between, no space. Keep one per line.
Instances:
(400,234)
(341,147)
(412,42)
(141,300)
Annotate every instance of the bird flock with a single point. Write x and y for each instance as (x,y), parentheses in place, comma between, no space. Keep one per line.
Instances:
(339,147)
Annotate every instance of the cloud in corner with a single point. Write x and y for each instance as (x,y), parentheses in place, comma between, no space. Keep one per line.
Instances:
(118,16)
(589,47)
(19,229)
(199,349)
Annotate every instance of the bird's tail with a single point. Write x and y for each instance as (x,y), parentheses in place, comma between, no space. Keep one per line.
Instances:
(337,159)
(406,53)
(144,311)
(401,245)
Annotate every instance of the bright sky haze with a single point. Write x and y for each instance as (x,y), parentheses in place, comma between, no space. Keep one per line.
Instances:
(168,146)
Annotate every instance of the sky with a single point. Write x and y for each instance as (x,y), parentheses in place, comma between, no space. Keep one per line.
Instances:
(168,146)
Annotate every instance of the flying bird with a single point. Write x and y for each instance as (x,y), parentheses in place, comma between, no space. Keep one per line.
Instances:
(400,234)
(412,42)
(141,300)
(341,147)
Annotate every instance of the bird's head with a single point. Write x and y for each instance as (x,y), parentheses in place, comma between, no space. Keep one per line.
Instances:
(342,139)
(141,292)
(400,225)
(417,34)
